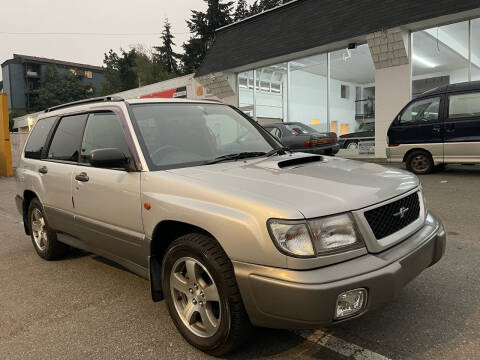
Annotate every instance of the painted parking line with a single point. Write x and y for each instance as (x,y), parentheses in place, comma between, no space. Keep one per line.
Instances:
(340,346)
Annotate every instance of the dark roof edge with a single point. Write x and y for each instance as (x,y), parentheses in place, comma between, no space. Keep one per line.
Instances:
(53,61)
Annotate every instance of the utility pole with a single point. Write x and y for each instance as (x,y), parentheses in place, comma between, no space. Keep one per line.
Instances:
(5,148)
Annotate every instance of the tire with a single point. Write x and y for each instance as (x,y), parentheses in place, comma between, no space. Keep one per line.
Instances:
(43,238)
(420,162)
(211,266)
(352,145)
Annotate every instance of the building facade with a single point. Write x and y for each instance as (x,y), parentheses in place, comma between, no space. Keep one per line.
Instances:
(338,65)
(21,78)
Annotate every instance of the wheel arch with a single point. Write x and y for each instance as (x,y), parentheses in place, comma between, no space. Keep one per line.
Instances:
(28,196)
(164,233)
(407,154)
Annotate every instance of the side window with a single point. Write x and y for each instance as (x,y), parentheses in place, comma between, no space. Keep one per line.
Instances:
(275,132)
(426,110)
(38,137)
(464,106)
(103,130)
(67,137)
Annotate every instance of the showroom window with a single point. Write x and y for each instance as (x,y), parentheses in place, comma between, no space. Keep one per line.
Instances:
(302,91)
(245,92)
(307,96)
(475,49)
(352,89)
(440,56)
(270,96)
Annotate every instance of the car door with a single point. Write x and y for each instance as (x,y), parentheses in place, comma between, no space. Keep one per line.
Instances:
(291,140)
(107,201)
(462,128)
(419,125)
(56,171)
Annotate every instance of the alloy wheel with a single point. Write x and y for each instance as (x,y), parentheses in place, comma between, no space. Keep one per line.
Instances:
(420,163)
(39,230)
(195,297)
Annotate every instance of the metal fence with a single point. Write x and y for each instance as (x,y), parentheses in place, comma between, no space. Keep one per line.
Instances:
(17,141)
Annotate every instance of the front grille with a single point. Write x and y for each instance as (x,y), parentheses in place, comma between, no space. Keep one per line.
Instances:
(388,219)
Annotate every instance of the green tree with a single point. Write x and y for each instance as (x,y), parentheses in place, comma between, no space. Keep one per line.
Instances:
(202,25)
(56,89)
(148,69)
(120,73)
(262,5)
(241,10)
(164,54)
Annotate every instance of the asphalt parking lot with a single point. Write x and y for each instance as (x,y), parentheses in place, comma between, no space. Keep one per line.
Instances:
(86,307)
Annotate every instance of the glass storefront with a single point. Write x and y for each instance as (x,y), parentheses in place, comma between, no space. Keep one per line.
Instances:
(335,91)
(352,90)
(270,96)
(475,50)
(440,56)
(307,98)
(302,91)
(246,99)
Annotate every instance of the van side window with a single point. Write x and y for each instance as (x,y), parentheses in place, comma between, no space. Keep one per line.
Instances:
(66,141)
(103,131)
(464,106)
(38,137)
(425,110)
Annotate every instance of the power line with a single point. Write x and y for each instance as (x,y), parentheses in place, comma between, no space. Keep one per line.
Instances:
(85,33)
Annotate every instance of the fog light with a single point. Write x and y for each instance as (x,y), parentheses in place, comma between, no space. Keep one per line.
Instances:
(350,303)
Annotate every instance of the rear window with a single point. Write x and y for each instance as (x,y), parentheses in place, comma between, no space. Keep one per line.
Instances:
(464,106)
(299,129)
(68,136)
(38,137)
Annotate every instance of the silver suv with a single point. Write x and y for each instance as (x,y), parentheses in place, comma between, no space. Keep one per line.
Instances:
(227,225)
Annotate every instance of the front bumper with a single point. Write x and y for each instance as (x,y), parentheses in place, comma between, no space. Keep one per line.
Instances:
(283,298)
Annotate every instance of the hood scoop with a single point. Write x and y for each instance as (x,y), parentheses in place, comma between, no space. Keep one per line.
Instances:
(299,161)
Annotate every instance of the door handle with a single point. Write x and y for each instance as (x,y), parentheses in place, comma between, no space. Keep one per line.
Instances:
(450,128)
(43,170)
(437,130)
(83,177)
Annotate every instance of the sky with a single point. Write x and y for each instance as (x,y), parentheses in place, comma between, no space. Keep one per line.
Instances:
(138,22)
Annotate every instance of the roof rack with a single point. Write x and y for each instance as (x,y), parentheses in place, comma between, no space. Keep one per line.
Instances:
(86,101)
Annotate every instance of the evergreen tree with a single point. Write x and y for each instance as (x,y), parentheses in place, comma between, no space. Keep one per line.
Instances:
(165,54)
(255,8)
(262,5)
(241,11)
(120,74)
(202,26)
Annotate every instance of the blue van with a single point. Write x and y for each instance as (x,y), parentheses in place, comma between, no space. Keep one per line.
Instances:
(441,126)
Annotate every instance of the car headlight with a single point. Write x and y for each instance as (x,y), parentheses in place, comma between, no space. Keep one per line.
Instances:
(315,237)
(334,234)
(292,237)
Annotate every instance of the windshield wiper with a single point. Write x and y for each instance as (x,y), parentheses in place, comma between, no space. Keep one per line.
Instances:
(280,151)
(242,155)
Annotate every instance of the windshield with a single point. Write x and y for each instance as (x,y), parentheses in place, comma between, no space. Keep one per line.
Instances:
(299,128)
(181,135)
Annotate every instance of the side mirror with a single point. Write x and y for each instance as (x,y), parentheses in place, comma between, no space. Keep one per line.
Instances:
(111,158)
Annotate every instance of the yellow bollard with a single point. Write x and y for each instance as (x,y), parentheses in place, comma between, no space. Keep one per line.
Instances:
(5,149)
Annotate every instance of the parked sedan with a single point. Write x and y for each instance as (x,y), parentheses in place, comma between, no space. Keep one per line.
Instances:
(350,141)
(300,137)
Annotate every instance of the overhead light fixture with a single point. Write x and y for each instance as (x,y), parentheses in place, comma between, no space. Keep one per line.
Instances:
(423,61)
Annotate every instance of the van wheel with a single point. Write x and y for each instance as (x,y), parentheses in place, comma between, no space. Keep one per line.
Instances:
(202,295)
(420,162)
(44,239)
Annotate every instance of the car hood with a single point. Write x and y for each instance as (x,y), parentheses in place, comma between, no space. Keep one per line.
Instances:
(317,188)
